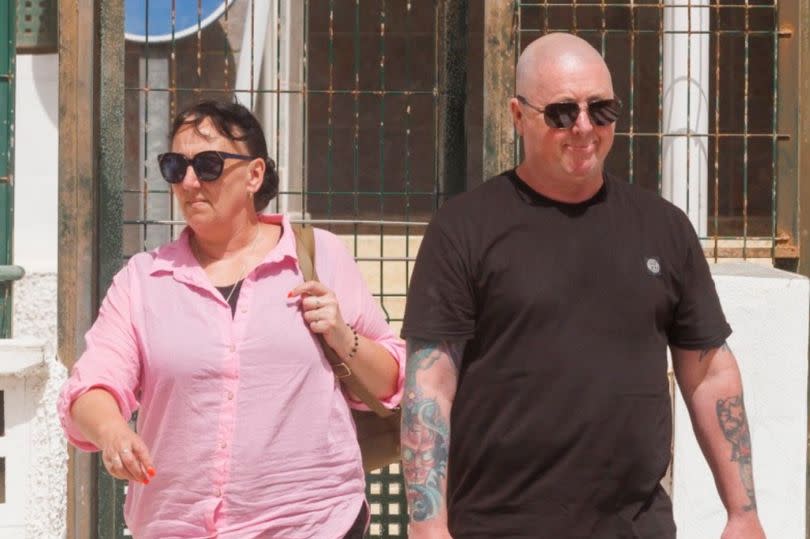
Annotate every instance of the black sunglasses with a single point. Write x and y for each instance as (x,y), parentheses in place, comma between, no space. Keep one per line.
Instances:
(564,115)
(207,165)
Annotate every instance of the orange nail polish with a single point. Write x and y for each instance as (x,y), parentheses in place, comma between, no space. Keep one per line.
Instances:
(290,294)
(145,481)
(151,471)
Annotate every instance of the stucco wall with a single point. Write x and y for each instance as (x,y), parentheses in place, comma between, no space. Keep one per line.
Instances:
(768,311)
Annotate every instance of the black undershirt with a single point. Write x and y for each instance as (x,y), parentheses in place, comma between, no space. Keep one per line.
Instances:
(226,290)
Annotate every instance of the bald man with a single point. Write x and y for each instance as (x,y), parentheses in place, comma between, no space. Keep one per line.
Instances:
(539,314)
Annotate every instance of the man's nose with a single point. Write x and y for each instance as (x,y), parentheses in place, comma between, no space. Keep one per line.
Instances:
(583,123)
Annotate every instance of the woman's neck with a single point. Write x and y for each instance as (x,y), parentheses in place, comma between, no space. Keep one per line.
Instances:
(213,245)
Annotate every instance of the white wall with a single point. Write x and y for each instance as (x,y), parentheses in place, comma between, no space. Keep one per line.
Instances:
(36,162)
(42,482)
(768,312)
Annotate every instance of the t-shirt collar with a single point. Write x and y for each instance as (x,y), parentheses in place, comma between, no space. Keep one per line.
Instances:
(529,195)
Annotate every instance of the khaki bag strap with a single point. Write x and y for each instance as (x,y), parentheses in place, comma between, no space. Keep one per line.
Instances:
(305,249)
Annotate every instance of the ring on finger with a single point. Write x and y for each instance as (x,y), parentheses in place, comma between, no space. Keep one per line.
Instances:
(317,302)
(125,451)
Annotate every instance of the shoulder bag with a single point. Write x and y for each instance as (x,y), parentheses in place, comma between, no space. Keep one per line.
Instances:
(378,430)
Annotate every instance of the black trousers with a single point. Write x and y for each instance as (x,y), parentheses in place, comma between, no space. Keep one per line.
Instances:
(357,531)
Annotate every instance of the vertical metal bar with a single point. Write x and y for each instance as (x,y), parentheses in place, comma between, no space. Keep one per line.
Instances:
(793,91)
(356,118)
(452,29)
(745,131)
(381,155)
(717,34)
(660,118)
(500,38)
(7,83)
(632,116)
(330,111)
(110,135)
(76,251)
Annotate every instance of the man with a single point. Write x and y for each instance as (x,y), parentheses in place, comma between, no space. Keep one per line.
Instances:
(540,309)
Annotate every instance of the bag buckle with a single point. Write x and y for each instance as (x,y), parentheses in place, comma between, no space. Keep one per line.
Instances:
(342,370)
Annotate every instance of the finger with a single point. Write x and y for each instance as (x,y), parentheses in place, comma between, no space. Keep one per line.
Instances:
(132,465)
(142,453)
(319,326)
(115,467)
(312,288)
(314,302)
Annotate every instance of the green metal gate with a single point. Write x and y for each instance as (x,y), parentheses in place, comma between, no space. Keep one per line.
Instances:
(8,273)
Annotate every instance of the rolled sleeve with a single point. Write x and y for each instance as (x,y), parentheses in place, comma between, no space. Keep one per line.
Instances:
(359,308)
(111,361)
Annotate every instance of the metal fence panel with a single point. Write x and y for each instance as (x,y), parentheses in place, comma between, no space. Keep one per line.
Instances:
(699,79)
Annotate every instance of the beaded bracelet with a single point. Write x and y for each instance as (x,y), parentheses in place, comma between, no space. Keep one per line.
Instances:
(353,351)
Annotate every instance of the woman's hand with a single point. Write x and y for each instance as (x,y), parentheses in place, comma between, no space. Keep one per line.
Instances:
(125,455)
(322,314)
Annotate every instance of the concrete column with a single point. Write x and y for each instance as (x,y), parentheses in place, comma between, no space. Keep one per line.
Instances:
(686,108)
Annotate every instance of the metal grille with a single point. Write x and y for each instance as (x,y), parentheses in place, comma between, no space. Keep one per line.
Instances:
(37,25)
(699,81)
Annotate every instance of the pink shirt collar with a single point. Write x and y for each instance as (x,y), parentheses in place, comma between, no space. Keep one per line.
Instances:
(177,258)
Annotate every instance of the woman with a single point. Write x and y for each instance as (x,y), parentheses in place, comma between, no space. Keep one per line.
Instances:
(243,430)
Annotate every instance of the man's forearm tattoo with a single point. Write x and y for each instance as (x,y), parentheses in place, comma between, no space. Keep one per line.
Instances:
(425,434)
(707,351)
(731,414)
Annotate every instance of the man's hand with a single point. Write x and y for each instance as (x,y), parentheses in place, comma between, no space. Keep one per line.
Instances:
(744,526)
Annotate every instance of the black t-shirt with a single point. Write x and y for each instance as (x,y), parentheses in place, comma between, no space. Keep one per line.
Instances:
(561,423)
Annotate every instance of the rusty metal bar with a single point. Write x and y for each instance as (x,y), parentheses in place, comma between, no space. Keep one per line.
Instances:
(788,88)
(78,56)
(452,70)
(500,57)
(110,136)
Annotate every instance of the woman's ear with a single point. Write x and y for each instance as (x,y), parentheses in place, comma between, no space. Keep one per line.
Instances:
(256,170)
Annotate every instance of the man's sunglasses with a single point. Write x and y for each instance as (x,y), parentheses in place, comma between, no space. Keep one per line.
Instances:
(207,165)
(564,115)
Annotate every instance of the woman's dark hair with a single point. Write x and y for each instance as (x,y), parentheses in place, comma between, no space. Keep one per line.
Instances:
(236,123)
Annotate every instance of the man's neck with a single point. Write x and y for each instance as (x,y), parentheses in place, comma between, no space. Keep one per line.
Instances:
(567,190)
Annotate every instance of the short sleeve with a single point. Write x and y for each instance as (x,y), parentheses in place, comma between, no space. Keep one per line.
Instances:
(359,308)
(698,321)
(111,360)
(441,298)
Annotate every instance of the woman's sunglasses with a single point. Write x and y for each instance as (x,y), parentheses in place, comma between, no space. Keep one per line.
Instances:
(207,165)
(564,115)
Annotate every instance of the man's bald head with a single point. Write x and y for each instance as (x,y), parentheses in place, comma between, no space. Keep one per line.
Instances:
(549,52)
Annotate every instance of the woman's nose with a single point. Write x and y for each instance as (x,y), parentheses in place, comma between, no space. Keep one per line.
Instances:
(190,180)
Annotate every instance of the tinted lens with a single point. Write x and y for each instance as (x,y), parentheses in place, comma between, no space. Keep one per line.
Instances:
(172,166)
(207,166)
(604,112)
(561,115)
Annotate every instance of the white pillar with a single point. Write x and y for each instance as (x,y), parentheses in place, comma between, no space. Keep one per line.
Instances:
(277,52)
(686,108)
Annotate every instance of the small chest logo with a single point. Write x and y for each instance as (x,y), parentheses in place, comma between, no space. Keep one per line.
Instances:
(653,266)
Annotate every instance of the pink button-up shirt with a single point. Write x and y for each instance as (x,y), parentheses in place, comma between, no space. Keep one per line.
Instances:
(248,428)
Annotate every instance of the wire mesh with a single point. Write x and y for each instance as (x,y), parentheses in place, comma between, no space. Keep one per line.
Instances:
(699,81)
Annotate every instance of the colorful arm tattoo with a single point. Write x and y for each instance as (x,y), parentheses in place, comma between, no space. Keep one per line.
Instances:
(426,425)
